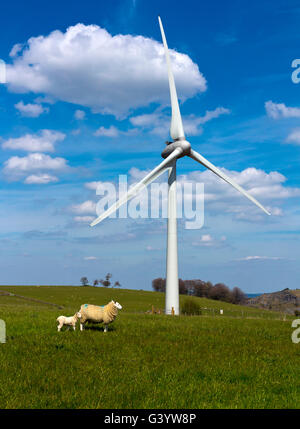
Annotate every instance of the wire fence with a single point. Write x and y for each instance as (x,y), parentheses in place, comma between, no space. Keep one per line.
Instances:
(246,313)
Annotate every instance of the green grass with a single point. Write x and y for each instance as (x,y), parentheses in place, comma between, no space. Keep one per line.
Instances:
(238,360)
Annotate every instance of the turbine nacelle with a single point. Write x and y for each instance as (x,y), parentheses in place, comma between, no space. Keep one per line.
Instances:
(182,146)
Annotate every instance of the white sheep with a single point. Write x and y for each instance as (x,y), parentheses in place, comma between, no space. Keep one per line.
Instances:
(98,314)
(69,321)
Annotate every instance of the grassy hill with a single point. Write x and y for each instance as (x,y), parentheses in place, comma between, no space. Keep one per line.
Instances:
(242,359)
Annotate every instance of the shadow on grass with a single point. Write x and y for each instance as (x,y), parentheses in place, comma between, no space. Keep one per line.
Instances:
(98,328)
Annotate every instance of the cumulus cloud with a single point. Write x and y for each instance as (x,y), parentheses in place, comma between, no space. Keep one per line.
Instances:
(294,137)
(113,131)
(269,188)
(109,74)
(107,132)
(42,179)
(280,110)
(79,115)
(219,197)
(17,166)
(87,207)
(16,49)
(42,142)
(94,185)
(90,258)
(31,110)
(159,123)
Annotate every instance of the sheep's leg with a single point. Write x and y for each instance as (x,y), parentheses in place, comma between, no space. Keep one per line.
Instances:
(59,328)
(81,326)
(74,327)
(105,328)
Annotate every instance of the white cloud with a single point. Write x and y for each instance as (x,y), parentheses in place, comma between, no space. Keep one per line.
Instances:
(110,74)
(221,198)
(79,114)
(84,219)
(268,188)
(16,49)
(294,137)
(42,179)
(90,258)
(87,207)
(159,123)
(257,258)
(206,240)
(136,175)
(94,185)
(42,142)
(31,110)
(112,131)
(280,110)
(44,99)
(16,166)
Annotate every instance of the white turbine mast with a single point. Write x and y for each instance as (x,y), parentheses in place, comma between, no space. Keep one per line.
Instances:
(176,149)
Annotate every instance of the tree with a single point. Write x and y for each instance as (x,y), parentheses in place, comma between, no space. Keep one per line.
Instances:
(96,282)
(182,287)
(84,281)
(106,282)
(202,289)
(159,284)
(117,284)
(237,296)
(220,292)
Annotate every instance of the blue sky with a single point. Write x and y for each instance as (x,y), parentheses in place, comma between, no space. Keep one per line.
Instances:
(87,99)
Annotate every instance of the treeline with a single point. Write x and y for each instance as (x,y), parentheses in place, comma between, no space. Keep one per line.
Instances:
(106,283)
(203,289)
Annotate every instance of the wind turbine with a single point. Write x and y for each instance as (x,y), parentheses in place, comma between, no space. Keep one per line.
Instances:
(176,149)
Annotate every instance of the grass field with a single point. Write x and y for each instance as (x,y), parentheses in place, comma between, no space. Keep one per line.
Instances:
(243,359)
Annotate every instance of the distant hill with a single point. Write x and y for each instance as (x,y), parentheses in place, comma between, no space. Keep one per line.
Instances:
(286,300)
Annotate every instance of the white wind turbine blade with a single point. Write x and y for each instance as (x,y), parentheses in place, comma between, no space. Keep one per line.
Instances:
(176,129)
(199,158)
(132,192)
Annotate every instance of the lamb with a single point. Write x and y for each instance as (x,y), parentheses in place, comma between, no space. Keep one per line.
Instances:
(98,314)
(69,321)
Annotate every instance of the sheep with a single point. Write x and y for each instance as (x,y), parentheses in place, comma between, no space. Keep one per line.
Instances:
(98,314)
(69,321)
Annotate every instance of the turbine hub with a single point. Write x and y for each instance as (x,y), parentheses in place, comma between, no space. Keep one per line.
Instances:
(181,143)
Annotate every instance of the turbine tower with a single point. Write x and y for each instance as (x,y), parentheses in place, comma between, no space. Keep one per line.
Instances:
(176,149)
